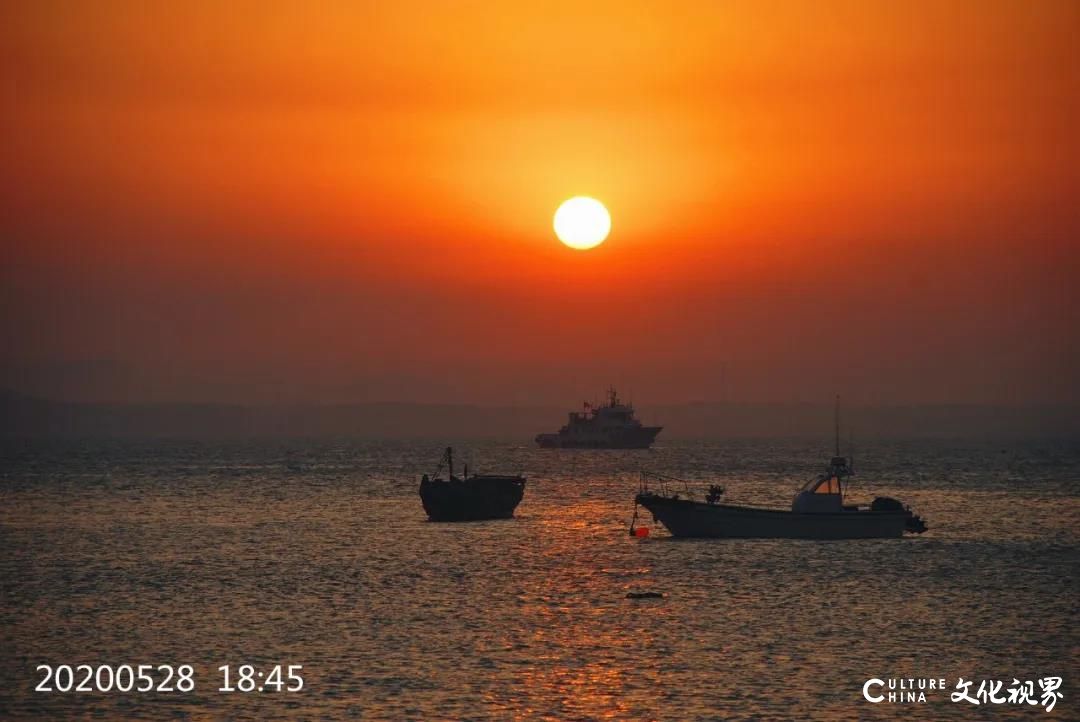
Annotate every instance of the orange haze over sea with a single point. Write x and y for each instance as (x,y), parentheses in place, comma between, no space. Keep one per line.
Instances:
(353,201)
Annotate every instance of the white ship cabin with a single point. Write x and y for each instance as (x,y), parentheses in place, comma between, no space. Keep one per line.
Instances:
(825,494)
(615,415)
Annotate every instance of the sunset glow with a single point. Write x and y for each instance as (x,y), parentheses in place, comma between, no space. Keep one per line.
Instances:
(324,202)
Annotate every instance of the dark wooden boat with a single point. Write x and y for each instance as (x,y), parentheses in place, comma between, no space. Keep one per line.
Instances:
(469,498)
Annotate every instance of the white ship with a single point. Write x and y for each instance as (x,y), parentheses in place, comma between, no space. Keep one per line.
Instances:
(612,426)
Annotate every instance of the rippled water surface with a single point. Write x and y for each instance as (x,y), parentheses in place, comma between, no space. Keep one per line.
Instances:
(317,553)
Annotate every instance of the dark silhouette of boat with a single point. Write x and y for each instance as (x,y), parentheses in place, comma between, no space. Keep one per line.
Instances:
(469,498)
(817,512)
(602,427)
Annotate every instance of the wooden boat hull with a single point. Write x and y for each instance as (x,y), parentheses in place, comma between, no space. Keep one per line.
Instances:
(474,499)
(685,518)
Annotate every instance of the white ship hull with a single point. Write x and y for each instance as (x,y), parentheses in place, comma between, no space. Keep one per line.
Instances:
(641,437)
(684,518)
(602,427)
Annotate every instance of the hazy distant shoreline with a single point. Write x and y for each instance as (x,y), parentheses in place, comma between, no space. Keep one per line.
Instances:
(22,415)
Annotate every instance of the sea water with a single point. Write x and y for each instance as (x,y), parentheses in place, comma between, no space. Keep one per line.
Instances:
(316,552)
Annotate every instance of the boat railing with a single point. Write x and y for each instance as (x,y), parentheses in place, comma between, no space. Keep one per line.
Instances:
(661,485)
(652,482)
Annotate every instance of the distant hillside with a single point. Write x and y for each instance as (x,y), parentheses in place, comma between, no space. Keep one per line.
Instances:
(28,416)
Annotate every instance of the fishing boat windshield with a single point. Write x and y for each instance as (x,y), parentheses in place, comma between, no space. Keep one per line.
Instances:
(822,485)
(823,494)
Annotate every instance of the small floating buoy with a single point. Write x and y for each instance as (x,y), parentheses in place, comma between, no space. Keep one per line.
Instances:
(644,595)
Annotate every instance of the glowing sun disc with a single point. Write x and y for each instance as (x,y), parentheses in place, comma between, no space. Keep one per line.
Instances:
(582,222)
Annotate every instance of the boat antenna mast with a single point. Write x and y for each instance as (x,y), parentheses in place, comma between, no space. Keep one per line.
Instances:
(836,420)
(448,459)
(842,468)
(851,450)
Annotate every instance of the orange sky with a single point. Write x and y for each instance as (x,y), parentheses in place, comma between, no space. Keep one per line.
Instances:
(352,201)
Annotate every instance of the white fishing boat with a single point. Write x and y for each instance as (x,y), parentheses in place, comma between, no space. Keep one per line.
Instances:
(818,511)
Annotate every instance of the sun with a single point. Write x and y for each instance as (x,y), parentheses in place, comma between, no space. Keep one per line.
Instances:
(582,222)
